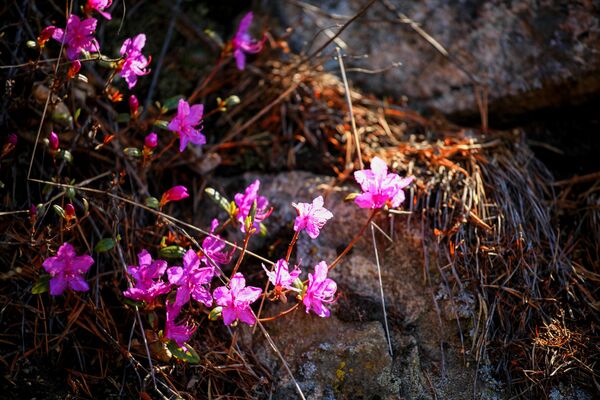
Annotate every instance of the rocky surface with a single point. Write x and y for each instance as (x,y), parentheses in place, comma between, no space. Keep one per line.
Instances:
(346,356)
(530,54)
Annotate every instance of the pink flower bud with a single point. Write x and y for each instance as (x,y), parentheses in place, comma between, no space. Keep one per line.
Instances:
(176,193)
(134,105)
(53,141)
(69,211)
(151,140)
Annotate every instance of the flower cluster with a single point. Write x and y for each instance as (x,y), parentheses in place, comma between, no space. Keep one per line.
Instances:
(236,300)
(185,123)
(380,189)
(76,37)
(134,63)
(147,274)
(67,269)
(246,201)
(311,217)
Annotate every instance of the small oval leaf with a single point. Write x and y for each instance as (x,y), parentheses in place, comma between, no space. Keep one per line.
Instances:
(104,245)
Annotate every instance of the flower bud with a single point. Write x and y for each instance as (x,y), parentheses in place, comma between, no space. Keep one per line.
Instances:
(151,140)
(53,141)
(74,69)
(176,193)
(134,105)
(69,211)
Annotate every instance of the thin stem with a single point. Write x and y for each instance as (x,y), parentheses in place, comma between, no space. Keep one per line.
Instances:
(212,74)
(291,246)
(354,240)
(242,254)
(166,148)
(281,314)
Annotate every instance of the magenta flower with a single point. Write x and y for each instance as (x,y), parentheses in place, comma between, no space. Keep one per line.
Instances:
(99,6)
(77,37)
(245,201)
(134,63)
(281,277)
(320,290)
(177,333)
(191,280)
(147,276)
(243,44)
(184,124)
(213,248)
(67,270)
(151,140)
(176,193)
(380,188)
(236,300)
(53,141)
(311,217)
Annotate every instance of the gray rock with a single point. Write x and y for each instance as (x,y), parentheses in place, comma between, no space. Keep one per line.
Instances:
(346,355)
(530,54)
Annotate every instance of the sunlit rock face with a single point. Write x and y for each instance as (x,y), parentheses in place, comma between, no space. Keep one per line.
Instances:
(529,54)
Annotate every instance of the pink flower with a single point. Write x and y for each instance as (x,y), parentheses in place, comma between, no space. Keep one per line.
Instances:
(243,44)
(176,193)
(184,124)
(77,37)
(100,6)
(281,277)
(67,270)
(245,201)
(147,276)
(320,290)
(134,63)
(151,140)
(236,300)
(53,141)
(380,188)
(311,217)
(177,333)
(191,280)
(214,249)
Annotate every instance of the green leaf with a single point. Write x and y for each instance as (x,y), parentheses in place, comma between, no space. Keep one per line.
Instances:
(71,193)
(132,152)
(188,354)
(104,245)
(171,252)
(171,103)
(219,199)
(263,229)
(133,303)
(77,114)
(351,196)
(59,210)
(152,202)
(66,155)
(159,123)
(42,285)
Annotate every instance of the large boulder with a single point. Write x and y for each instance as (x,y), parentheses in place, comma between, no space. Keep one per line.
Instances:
(529,54)
(346,355)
